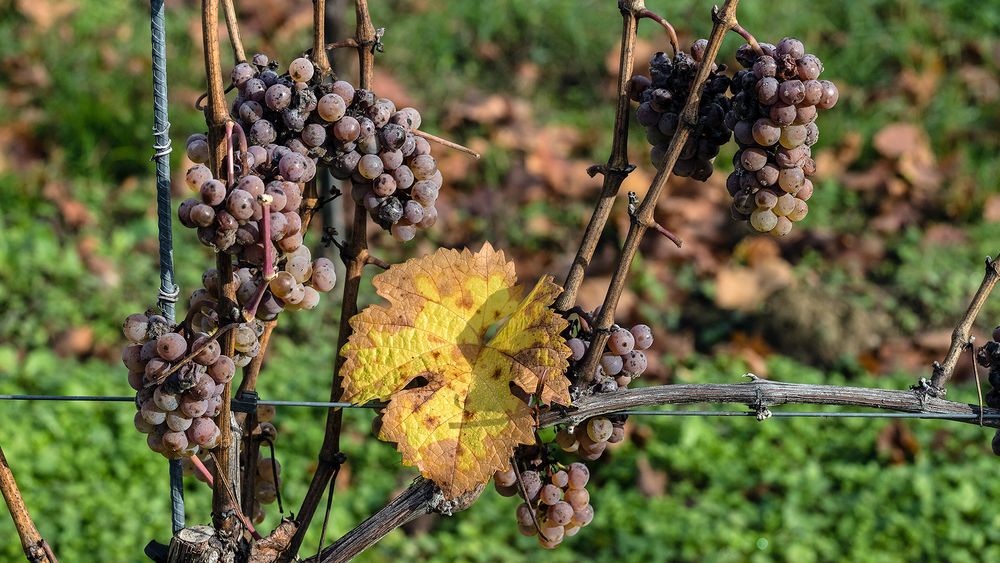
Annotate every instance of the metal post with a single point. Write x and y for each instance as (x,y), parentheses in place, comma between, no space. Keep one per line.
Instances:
(168,289)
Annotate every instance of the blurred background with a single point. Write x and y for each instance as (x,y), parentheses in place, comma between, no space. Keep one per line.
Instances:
(863,292)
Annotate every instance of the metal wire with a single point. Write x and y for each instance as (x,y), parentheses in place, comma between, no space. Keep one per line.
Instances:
(161,145)
(776,414)
(815,414)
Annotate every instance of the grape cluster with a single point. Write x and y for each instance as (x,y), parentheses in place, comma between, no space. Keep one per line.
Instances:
(557,501)
(297,285)
(590,438)
(661,101)
(298,281)
(356,134)
(988,356)
(623,360)
(179,376)
(776,98)
(229,213)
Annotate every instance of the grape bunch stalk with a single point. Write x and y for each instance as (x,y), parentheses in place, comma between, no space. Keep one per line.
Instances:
(556,502)
(661,102)
(776,100)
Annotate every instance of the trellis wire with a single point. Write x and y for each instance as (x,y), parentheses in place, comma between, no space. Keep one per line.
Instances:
(775,414)
(168,289)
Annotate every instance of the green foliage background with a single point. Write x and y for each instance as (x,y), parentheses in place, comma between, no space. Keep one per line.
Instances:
(784,490)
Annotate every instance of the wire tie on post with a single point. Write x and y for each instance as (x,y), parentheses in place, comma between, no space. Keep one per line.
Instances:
(245,401)
(162,150)
(171,296)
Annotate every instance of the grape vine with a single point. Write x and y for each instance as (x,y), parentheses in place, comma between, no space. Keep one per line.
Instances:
(254,195)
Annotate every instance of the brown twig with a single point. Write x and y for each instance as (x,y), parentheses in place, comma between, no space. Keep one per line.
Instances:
(617,167)
(376,261)
(943,371)
(642,219)
(416,501)
(252,370)
(761,392)
(319,57)
(355,256)
(447,143)
(671,34)
(48,551)
(350,43)
(310,201)
(247,421)
(217,116)
(31,541)
(233,26)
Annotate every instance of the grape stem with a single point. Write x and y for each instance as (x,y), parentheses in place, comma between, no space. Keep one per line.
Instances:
(233,27)
(250,309)
(943,371)
(265,203)
(355,255)
(617,167)
(186,359)
(670,236)
(671,34)
(230,161)
(975,372)
(447,143)
(524,494)
(642,218)
(199,466)
(32,543)
(750,39)
(244,153)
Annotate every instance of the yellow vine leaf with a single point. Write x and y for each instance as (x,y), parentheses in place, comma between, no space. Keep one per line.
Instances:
(459,423)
